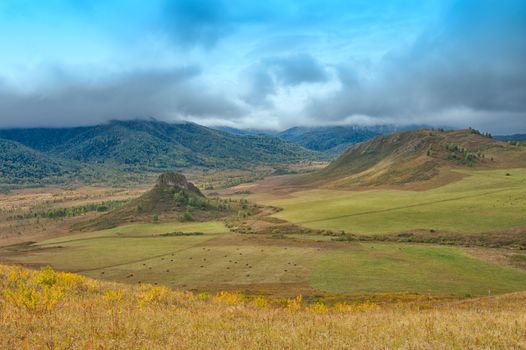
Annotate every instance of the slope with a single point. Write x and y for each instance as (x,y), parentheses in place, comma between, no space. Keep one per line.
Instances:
(420,158)
(20,164)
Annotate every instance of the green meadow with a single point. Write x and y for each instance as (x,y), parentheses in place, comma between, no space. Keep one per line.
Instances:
(482,201)
(381,267)
(216,260)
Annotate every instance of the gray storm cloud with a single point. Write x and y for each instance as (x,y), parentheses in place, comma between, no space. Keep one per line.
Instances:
(471,73)
(163,94)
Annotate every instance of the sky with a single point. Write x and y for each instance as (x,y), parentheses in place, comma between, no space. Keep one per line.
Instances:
(268,64)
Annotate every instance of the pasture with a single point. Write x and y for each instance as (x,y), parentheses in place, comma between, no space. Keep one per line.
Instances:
(217,260)
(482,201)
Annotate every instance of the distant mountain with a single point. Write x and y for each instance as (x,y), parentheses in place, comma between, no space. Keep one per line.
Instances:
(334,140)
(236,131)
(423,157)
(514,137)
(325,139)
(139,145)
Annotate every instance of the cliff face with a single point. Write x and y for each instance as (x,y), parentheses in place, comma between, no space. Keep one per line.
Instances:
(176,182)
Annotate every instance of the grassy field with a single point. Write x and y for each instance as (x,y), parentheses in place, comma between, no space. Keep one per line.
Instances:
(483,201)
(48,310)
(420,268)
(217,260)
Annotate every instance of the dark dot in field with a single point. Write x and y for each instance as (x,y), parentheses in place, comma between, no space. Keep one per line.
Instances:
(229,260)
(225,256)
(202,266)
(190,258)
(295,265)
(172,254)
(167,270)
(246,264)
(240,253)
(285,270)
(235,262)
(143,264)
(139,282)
(248,275)
(250,267)
(150,268)
(155,283)
(228,268)
(102,273)
(171,259)
(162,258)
(288,263)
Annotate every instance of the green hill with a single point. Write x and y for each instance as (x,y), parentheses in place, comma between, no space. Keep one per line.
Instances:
(422,157)
(20,164)
(137,146)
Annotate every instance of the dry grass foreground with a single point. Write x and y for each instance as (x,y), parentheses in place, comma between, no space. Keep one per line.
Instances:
(55,310)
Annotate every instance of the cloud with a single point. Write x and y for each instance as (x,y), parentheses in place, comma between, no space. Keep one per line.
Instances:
(167,94)
(271,73)
(471,63)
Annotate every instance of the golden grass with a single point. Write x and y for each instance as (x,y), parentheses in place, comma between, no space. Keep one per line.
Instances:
(54,310)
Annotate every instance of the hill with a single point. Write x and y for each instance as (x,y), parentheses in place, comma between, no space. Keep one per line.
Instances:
(418,158)
(172,197)
(142,146)
(20,164)
(327,139)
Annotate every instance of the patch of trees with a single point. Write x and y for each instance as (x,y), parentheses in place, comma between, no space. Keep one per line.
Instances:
(462,155)
(58,213)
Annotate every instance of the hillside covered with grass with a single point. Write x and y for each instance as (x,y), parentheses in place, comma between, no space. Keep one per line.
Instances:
(419,159)
(81,313)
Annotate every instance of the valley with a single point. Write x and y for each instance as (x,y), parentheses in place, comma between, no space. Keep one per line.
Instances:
(272,237)
(299,239)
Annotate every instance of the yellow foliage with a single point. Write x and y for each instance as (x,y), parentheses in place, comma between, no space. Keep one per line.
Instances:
(365,306)
(318,308)
(32,299)
(294,304)
(113,295)
(229,298)
(260,302)
(151,294)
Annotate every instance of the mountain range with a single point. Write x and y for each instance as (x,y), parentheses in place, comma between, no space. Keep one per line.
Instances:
(32,155)
(331,140)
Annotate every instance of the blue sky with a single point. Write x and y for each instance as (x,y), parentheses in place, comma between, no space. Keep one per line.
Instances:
(271,64)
